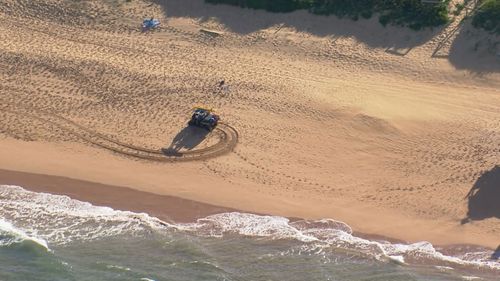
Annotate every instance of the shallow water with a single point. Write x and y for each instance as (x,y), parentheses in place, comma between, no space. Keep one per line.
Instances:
(51,237)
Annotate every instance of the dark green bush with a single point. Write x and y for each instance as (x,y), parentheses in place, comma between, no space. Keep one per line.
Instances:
(269,5)
(344,8)
(411,13)
(488,16)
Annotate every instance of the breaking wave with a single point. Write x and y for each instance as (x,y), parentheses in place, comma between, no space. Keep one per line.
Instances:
(10,235)
(54,219)
(59,219)
(327,234)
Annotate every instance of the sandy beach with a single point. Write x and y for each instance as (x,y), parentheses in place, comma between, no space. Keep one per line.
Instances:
(394,132)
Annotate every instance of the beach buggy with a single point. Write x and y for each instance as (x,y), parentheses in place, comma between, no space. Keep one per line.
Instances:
(150,24)
(204,118)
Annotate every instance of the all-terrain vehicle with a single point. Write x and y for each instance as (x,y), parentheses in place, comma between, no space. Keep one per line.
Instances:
(204,118)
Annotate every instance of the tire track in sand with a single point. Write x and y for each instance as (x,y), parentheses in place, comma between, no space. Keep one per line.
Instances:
(228,138)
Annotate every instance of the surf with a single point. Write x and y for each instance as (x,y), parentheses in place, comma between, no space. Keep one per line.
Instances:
(59,220)
(10,235)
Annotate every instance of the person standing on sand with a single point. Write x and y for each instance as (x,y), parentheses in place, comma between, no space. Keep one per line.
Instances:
(219,86)
(222,87)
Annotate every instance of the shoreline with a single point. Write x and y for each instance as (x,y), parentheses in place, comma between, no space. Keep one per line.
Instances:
(178,181)
(164,207)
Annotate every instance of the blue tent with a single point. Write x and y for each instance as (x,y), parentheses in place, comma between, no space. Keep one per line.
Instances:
(150,23)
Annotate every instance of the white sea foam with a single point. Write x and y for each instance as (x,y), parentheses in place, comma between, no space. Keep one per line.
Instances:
(60,219)
(471,278)
(118,267)
(444,268)
(328,233)
(247,225)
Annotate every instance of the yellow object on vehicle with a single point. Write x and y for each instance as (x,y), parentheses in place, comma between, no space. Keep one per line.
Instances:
(209,109)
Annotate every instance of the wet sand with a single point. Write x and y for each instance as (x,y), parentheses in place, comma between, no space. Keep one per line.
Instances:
(166,208)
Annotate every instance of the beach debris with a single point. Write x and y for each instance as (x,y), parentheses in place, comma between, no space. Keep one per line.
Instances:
(212,33)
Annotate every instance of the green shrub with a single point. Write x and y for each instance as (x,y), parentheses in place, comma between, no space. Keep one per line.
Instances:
(269,5)
(344,8)
(458,8)
(413,13)
(488,16)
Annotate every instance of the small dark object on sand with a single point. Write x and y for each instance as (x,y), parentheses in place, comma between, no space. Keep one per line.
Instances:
(496,254)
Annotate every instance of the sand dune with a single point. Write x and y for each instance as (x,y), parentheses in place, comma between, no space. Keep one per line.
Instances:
(384,128)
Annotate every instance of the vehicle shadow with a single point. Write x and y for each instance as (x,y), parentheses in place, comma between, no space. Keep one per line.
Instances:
(188,138)
(484,197)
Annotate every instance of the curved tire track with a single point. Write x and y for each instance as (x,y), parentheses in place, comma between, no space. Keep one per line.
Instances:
(228,138)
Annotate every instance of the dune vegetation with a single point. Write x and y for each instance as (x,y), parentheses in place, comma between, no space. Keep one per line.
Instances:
(488,16)
(411,13)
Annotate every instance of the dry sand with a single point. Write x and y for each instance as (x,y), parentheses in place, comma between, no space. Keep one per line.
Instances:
(384,128)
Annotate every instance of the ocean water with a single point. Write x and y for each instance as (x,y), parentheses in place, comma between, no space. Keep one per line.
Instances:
(52,237)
